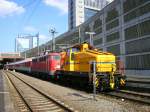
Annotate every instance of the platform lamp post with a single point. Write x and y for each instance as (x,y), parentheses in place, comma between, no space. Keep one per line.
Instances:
(79,30)
(53,32)
(91,37)
(93,65)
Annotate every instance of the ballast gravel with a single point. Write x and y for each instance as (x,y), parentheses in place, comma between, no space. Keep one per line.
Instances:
(83,101)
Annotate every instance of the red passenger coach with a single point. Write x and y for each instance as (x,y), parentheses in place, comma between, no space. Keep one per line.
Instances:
(46,65)
(23,65)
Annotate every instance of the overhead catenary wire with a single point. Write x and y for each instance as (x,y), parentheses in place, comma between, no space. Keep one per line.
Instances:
(32,11)
(31,7)
(29,3)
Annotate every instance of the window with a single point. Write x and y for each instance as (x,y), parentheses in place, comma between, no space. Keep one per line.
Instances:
(139,62)
(113,24)
(72,56)
(34,60)
(112,14)
(113,36)
(98,41)
(44,58)
(138,46)
(131,4)
(137,12)
(98,30)
(97,23)
(56,57)
(115,49)
(74,41)
(145,28)
(97,26)
(130,16)
(40,59)
(75,49)
(131,32)
(138,30)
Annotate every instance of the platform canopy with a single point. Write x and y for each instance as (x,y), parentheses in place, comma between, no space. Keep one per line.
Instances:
(9,55)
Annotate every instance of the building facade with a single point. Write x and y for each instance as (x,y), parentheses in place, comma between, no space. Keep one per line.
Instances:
(123,28)
(81,10)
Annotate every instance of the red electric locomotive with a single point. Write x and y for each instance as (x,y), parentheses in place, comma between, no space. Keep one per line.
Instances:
(46,65)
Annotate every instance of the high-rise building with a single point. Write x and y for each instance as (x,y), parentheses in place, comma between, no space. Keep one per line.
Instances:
(81,10)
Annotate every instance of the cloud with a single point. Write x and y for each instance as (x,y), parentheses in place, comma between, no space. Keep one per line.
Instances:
(110,0)
(30,29)
(62,5)
(8,8)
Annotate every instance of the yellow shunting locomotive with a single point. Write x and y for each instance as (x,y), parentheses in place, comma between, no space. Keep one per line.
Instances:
(76,67)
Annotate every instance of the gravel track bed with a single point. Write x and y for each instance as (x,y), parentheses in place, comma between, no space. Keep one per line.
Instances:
(19,104)
(83,101)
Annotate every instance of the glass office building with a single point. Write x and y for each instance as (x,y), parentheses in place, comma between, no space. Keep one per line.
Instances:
(81,10)
(89,13)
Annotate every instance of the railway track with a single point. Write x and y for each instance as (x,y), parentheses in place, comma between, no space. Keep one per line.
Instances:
(139,86)
(33,99)
(143,98)
(131,96)
(19,103)
(138,83)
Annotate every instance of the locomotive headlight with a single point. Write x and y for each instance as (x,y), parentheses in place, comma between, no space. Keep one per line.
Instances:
(58,66)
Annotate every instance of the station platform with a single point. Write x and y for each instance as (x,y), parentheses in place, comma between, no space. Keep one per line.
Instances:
(6,105)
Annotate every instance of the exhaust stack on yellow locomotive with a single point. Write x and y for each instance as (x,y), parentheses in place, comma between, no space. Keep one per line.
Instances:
(76,65)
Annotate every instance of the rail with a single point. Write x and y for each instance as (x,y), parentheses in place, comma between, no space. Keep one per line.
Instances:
(131,96)
(36,99)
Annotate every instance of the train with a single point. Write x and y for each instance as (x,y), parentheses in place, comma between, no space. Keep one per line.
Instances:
(81,64)
(41,66)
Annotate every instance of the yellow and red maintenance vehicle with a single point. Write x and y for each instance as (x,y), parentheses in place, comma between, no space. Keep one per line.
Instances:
(77,66)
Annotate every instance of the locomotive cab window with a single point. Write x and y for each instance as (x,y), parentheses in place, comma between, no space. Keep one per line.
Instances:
(72,56)
(56,57)
(75,49)
(68,52)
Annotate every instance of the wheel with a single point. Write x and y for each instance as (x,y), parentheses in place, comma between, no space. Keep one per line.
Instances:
(101,85)
(117,84)
(101,88)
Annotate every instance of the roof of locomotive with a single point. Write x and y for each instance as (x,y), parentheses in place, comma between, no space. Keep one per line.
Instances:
(49,54)
(78,45)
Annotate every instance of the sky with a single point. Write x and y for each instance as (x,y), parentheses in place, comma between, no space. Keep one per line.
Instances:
(22,17)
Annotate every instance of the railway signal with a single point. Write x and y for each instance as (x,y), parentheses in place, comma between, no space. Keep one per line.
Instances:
(53,32)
